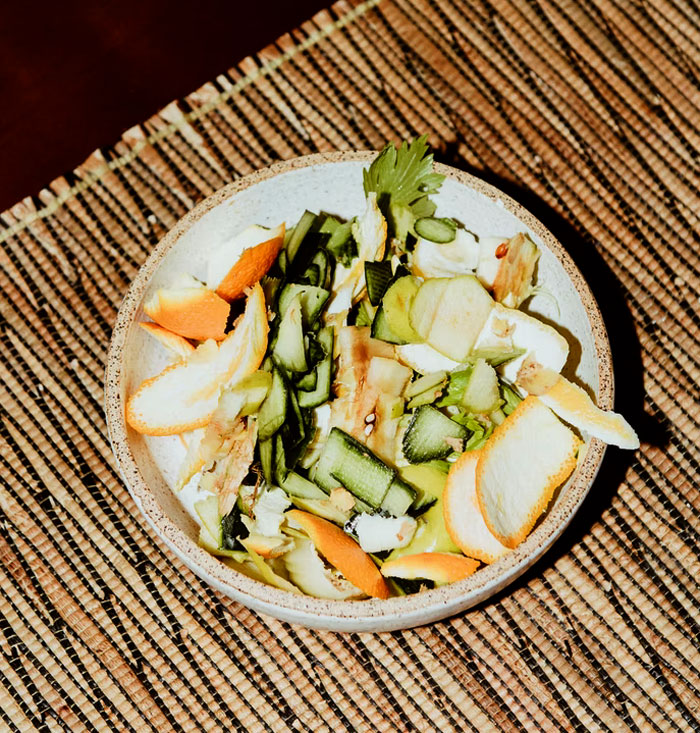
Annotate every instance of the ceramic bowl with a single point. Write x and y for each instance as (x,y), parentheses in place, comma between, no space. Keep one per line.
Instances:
(332,183)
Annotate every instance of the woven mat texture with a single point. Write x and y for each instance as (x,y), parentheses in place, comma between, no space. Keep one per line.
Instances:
(587,112)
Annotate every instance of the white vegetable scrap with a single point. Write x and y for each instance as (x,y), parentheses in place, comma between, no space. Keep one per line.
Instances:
(269,512)
(459,257)
(377,533)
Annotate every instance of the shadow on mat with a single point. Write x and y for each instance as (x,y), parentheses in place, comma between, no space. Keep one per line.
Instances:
(627,365)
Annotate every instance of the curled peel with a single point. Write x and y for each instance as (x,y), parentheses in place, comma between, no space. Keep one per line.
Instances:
(192,312)
(343,553)
(184,396)
(440,567)
(521,465)
(573,404)
(175,344)
(253,253)
(193,460)
(463,518)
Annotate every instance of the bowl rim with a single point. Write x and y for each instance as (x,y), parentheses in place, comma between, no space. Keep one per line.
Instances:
(395,612)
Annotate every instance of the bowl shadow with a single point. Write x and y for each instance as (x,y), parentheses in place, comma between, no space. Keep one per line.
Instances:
(627,365)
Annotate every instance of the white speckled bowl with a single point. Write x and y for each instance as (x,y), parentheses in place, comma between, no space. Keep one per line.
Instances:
(333,183)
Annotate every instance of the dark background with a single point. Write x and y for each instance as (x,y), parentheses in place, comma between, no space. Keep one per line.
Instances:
(75,75)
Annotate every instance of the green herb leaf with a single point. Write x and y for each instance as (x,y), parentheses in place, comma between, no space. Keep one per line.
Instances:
(403,179)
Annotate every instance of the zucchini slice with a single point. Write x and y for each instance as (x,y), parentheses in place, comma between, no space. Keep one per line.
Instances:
(426,382)
(424,439)
(361,314)
(396,305)
(273,411)
(312,300)
(289,348)
(399,498)
(324,372)
(300,231)
(378,275)
(435,229)
(266,450)
(346,462)
(382,330)
(297,485)
(425,305)
(296,431)
(307,383)
(342,245)
(495,356)
(426,390)
(280,463)
(320,260)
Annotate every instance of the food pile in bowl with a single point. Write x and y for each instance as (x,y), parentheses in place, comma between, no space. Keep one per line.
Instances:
(367,409)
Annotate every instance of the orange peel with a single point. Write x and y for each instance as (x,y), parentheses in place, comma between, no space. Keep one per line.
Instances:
(268,547)
(184,395)
(526,458)
(251,264)
(194,313)
(463,518)
(573,404)
(440,567)
(173,342)
(343,553)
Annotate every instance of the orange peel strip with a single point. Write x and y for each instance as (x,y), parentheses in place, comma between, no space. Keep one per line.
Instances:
(440,567)
(343,553)
(194,313)
(253,263)
(184,395)
(573,404)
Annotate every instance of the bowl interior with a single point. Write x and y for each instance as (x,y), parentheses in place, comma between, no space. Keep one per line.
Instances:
(149,465)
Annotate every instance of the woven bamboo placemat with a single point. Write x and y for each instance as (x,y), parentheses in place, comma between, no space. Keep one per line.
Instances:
(587,112)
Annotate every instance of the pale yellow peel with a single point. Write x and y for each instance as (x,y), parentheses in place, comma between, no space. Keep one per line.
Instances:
(424,358)
(184,395)
(572,404)
(175,344)
(463,518)
(268,547)
(193,460)
(523,462)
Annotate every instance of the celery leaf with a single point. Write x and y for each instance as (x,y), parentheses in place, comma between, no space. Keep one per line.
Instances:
(403,179)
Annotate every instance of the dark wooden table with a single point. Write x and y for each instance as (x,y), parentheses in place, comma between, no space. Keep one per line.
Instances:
(74,75)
